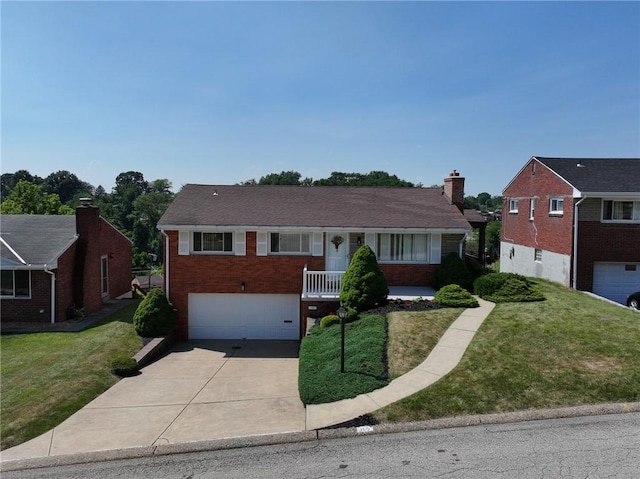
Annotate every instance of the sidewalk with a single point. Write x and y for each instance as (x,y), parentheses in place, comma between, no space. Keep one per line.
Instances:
(443,358)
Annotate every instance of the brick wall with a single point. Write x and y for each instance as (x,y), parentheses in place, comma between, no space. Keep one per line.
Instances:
(36,309)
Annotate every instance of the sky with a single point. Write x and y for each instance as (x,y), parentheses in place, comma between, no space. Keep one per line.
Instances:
(224,92)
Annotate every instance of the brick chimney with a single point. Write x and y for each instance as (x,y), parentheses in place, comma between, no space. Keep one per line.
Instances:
(454,189)
(87,292)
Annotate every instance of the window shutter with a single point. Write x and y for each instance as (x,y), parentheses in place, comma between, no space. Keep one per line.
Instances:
(318,241)
(370,240)
(183,243)
(241,243)
(436,249)
(261,243)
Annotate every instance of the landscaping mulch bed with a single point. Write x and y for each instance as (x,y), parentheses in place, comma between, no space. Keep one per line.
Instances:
(403,305)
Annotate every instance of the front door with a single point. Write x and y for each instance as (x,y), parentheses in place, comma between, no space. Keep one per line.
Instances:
(337,251)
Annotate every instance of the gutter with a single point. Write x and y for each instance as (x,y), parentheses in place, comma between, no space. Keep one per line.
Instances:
(166,263)
(53,293)
(574,280)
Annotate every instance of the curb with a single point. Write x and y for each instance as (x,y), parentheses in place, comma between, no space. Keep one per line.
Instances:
(319,435)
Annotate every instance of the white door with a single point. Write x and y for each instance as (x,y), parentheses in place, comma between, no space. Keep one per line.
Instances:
(244,316)
(337,257)
(615,281)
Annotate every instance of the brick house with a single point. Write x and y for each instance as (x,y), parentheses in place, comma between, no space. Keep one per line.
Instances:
(575,221)
(53,263)
(254,261)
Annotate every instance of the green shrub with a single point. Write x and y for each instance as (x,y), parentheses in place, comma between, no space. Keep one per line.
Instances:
(476,269)
(453,270)
(455,296)
(329,320)
(124,366)
(363,284)
(506,287)
(155,315)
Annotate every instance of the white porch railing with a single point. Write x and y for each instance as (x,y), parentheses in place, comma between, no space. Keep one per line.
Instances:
(321,284)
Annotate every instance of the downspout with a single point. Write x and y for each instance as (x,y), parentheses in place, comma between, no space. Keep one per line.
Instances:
(166,263)
(574,280)
(53,293)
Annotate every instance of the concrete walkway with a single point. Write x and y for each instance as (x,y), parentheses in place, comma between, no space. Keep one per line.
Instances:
(204,391)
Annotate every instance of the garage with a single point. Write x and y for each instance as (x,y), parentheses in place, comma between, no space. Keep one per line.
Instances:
(615,281)
(244,316)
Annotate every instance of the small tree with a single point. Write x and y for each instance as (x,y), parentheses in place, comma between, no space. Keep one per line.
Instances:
(453,270)
(155,315)
(364,284)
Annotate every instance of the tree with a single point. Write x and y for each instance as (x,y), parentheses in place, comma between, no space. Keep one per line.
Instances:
(9,180)
(147,211)
(129,186)
(492,233)
(373,178)
(363,284)
(282,178)
(29,199)
(65,184)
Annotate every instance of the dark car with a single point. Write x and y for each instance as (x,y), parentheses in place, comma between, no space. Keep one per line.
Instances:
(633,301)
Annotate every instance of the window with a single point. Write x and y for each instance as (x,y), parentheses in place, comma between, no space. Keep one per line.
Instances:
(625,210)
(15,284)
(513,206)
(104,270)
(402,247)
(290,243)
(556,206)
(213,242)
(538,255)
(533,208)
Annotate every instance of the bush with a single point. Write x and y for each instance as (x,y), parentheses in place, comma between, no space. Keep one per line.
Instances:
(455,296)
(155,315)
(453,270)
(476,269)
(329,320)
(363,284)
(124,366)
(506,287)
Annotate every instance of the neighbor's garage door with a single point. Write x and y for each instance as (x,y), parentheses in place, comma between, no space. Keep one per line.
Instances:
(244,316)
(616,281)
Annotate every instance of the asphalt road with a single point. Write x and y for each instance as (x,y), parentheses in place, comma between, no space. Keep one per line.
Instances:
(594,447)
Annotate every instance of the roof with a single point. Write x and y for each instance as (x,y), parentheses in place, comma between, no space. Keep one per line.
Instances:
(35,239)
(312,207)
(597,175)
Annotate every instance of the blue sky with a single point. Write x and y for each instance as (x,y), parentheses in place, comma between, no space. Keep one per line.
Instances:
(222,92)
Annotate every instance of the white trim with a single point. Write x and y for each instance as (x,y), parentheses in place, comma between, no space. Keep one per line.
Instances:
(166,263)
(53,293)
(312,229)
(240,243)
(184,243)
(12,250)
(435,249)
(317,247)
(262,243)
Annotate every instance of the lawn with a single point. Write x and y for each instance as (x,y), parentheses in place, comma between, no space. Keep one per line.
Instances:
(569,350)
(46,377)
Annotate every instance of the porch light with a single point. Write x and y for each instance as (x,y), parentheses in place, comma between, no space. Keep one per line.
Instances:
(342,314)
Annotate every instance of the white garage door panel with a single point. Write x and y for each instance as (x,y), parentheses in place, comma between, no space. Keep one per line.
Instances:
(244,316)
(616,281)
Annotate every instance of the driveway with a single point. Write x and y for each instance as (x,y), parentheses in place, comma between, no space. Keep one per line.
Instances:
(200,390)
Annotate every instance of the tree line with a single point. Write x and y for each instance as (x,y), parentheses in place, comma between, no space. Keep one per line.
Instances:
(135,205)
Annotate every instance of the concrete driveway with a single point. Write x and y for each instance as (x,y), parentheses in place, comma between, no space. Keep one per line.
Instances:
(201,390)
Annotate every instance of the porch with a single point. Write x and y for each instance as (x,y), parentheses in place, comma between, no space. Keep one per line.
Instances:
(325,286)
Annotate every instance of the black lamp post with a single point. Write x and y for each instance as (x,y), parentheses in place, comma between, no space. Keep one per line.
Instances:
(342,314)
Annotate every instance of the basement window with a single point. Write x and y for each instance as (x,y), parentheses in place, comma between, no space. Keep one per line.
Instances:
(538,255)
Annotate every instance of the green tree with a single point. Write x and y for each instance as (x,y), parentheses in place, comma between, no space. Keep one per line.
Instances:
(29,199)
(492,238)
(363,284)
(66,185)
(282,178)
(373,178)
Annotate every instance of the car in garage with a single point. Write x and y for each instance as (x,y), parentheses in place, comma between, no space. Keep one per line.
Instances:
(633,301)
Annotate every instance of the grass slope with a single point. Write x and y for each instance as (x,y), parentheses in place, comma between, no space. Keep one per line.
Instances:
(46,377)
(568,350)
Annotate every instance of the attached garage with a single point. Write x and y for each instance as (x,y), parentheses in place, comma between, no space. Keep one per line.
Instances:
(615,281)
(244,316)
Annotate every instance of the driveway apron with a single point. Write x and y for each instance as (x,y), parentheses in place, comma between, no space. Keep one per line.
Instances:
(201,390)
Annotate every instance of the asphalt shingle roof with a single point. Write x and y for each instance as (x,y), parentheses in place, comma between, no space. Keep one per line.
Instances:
(37,239)
(598,175)
(312,206)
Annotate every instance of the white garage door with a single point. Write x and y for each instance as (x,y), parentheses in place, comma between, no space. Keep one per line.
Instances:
(244,316)
(616,281)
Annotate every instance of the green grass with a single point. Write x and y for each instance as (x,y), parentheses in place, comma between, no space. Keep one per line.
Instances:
(319,378)
(46,377)
(568,350)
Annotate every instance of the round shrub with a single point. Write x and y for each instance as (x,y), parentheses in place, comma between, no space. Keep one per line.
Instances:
(453,270)
(124,366)
(329,320)
(506,287)
(155,315)
(363,284)
(455,296)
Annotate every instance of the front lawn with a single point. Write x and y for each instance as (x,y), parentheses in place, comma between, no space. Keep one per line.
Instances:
(570,349)
(46,377)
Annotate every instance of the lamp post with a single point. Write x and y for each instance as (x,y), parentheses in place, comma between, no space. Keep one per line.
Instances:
(342,314)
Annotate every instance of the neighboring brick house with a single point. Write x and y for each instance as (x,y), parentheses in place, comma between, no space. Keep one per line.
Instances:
(254,261)
(52,263)
(575,221)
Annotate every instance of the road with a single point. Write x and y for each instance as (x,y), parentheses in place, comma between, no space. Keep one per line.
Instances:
(594,447)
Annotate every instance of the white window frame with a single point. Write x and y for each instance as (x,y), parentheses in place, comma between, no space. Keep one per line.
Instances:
(513,205)
(635,211)
(104,275)
(232,242)
(553,205)
(398,242)
(13,296)
(305,243)
(532,207)
(537,255)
